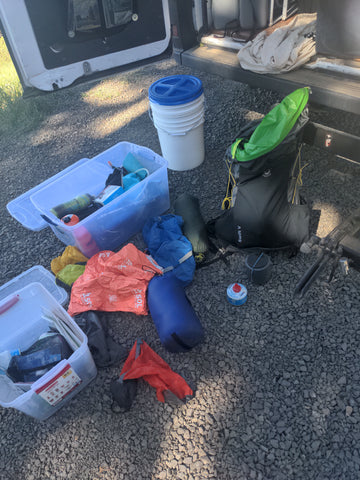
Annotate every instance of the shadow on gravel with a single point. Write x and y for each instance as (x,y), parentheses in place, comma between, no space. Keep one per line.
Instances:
(278,384)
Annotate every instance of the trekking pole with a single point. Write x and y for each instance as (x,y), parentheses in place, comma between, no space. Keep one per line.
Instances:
(330,248)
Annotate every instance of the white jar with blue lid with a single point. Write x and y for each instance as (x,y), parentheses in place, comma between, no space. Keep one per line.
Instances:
(177,111)
(236,294)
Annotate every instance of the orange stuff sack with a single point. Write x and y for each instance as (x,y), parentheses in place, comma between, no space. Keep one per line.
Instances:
(155,371)
(114,282)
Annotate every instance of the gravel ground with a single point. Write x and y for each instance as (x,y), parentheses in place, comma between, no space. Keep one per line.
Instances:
(277,380)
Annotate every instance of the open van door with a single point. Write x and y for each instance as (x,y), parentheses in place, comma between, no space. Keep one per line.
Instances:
(58,42)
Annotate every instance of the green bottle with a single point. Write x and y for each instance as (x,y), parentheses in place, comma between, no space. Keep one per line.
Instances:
(72,206)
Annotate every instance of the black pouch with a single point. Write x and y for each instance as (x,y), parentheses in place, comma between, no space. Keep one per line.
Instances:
(103,348)
(39,358)
(117,12)
(98,15)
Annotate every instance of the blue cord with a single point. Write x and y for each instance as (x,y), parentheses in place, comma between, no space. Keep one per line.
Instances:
(253,267)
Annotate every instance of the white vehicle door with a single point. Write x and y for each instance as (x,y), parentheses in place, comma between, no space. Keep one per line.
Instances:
(54,43)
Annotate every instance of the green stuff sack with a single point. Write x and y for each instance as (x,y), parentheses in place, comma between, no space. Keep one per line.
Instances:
(70,273)
(194,228)
(273,128)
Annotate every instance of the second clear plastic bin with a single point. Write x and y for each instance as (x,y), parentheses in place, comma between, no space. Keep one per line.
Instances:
(113,224)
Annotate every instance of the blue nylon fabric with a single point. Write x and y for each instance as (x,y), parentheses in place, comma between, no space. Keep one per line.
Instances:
(167,244)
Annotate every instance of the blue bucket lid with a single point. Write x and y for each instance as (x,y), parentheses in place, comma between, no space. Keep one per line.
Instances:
(175,90)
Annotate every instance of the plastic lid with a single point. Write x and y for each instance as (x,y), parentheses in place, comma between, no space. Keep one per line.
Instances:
(36,274)
(70,219)
(256,261)
(23,209)
(236,288)
(175,90)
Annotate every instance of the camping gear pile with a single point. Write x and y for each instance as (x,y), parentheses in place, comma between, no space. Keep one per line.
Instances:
(263,211)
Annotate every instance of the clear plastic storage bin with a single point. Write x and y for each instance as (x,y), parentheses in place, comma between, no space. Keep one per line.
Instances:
(36,274)
(113,224)
(20,326)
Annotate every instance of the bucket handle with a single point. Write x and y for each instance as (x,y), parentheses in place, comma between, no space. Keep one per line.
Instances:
(172,134)
(152,120)
(182,133)
(150,114)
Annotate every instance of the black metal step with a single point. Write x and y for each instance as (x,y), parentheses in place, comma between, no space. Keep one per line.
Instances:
(328,89)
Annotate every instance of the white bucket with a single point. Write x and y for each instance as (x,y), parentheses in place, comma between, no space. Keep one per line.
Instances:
(181,133)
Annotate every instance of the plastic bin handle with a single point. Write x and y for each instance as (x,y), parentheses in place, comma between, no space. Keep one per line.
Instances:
(8,304)
(23,209)
(47,219)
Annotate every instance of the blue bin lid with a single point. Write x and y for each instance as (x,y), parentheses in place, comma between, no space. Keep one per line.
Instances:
(175,90)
